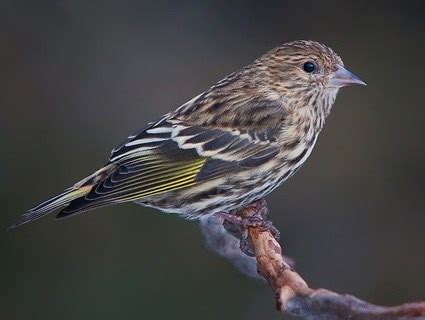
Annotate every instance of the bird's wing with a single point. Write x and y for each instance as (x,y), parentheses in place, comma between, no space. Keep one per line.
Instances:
(169,155)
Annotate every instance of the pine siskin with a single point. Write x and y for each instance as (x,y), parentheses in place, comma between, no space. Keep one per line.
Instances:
(224,149)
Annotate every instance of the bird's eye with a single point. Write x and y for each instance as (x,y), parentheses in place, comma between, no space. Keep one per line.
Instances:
(309,67)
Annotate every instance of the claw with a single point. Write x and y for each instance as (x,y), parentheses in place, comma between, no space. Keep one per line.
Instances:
(238,226)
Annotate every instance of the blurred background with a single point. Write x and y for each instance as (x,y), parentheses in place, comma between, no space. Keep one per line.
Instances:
(78,76)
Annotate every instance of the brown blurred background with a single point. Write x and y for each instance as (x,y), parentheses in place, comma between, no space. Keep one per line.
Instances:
(78,76)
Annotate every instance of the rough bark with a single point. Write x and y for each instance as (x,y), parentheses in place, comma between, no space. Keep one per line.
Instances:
(293,295)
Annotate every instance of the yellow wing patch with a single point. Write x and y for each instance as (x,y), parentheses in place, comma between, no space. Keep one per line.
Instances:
(150,177)
(135,179)
(170,178)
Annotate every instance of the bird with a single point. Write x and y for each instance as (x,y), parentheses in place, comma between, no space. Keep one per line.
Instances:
(224,149)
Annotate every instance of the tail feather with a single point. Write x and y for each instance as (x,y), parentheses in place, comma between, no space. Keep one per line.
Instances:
(52,204)
(78,190)
(81,205)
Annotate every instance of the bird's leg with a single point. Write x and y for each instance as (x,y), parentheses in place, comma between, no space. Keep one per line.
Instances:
(232,223)
(256,214)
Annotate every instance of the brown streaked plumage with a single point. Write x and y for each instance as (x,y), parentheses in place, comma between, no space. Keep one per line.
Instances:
(227,147)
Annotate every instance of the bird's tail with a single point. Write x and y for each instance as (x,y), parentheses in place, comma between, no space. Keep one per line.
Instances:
(78,190)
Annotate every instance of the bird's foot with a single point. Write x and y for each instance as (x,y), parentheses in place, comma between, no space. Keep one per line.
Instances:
(255,222)
(238,223)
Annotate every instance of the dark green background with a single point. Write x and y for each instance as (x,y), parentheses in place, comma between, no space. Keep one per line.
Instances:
(76,77)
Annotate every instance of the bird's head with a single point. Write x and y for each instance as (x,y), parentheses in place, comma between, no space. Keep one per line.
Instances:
(306,70)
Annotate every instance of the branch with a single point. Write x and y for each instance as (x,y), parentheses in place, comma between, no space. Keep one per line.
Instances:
(295,297)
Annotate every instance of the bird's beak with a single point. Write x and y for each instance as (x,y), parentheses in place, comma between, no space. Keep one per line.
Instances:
(341,77)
